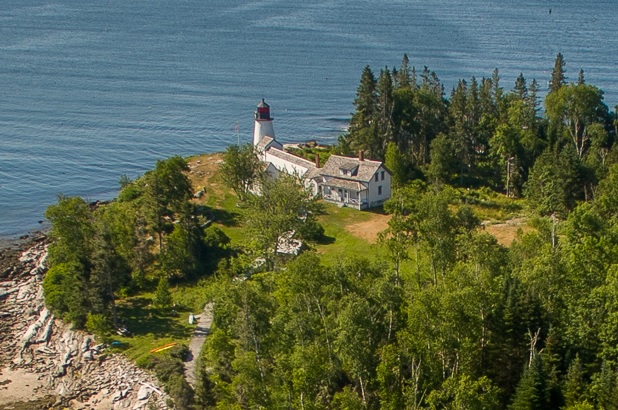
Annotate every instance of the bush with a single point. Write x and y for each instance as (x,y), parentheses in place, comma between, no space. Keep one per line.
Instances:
(215,238)
(100,326)
(182,393)
(311,230)
(163,296)
(129,193)
(169,368)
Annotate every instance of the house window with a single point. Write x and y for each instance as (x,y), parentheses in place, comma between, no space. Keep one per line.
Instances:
(379,189)
(382,176)
(376,177)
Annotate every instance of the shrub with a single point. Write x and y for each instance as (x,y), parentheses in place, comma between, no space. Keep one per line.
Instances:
(163,296)
(100,326)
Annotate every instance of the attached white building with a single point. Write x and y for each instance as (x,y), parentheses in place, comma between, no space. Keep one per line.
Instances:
(347,181)
(355,182)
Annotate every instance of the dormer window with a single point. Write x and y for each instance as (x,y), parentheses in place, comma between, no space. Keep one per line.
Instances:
(348,169)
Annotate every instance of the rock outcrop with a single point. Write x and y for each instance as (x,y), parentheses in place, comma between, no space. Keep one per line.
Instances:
(67,363)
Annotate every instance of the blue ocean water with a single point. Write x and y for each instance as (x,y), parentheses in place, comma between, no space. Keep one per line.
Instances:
(93,89)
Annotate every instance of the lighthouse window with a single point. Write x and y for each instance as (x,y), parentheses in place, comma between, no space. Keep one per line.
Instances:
(380,190)
(377,177)
(382,177)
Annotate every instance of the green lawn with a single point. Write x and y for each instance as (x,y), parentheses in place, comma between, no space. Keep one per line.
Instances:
(339,243)
(489,205)
(151,327)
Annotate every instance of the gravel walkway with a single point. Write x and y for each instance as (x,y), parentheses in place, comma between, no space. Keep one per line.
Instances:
(204,322)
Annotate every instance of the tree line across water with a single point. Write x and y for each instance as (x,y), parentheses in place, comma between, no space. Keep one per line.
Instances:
(445,317)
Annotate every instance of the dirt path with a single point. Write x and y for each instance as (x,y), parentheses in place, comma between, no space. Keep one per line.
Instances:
(369,230)
(204,321)
(506,232)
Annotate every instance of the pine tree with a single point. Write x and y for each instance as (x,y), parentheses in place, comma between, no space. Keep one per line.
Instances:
(574,385)
(580,77)
(404,73)
(385,105)
(365,102)
(162,296)
(495,81)
(557,75)
(364,130)
(431,83)
(604,388)
(520,87)
(531,99)
(532,392)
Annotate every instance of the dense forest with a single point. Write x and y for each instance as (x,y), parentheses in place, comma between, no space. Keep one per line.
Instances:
(445,318)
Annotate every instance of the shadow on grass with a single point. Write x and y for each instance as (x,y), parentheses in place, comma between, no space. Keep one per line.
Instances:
(376,210)
(326,240)
(224,217)
(141,318)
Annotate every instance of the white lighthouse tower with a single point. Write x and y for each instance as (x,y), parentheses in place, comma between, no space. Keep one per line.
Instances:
(263,125)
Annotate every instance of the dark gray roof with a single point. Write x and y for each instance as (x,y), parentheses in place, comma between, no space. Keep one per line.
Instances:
(335,163)
(349,166)
(344,183)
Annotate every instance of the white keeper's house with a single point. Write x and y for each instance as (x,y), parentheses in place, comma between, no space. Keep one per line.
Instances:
(347,181)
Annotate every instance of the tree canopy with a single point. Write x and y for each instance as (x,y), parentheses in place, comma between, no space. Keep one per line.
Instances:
(439,314)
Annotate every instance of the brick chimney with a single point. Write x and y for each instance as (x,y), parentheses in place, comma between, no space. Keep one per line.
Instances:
(317,161)
(361,155)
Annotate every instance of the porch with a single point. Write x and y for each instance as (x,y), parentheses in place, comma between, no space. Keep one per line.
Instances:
(345,197)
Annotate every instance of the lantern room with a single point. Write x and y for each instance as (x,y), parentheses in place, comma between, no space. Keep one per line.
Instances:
(263,112)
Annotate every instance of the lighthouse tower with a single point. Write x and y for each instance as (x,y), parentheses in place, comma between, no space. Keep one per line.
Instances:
(263,123)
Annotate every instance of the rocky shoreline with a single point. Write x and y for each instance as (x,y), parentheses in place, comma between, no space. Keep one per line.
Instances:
(46,364)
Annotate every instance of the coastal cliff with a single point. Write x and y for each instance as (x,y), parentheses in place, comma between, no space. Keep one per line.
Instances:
(44,363)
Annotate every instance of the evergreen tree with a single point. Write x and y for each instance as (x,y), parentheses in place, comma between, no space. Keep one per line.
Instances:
(604,388)
(495,81)
(574,384)
(557,75)
(167,189)
(533,95)
(163,297)
(520,87)
(403,75)
(384,117)
(461,126)
(364,128)
(431,83)
(552,182)
(532,392)
(580,77)
(72,231)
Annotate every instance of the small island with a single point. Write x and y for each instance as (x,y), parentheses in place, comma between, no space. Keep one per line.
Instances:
(256,278)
